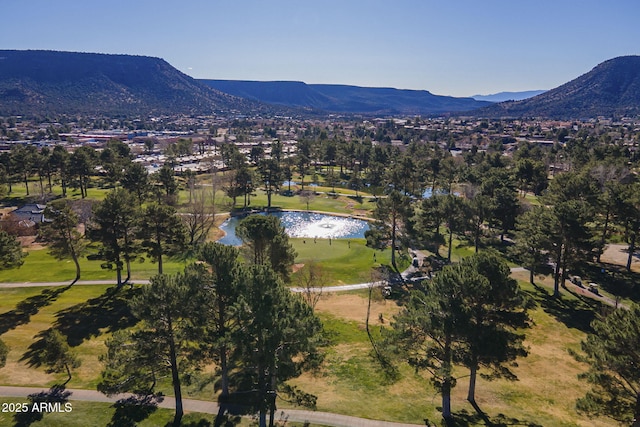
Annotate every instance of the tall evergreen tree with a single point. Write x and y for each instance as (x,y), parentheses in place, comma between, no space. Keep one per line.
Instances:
(391,213)
(57,355)
(533,245)
(496,311)
(278,340)
(61,233)
(613,352)
(161,232)
(59,163)
(468,314)
(136,179)
(223,279)
(114,226)
(162,343)
(267,243)
(166,179)
(429,217)
(426,334)
(573,197)
(81,166)
(455,211)
(11,254)
(628,209)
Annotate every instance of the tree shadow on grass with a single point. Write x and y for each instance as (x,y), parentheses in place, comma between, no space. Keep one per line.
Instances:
(614,279)
(21,315)
(134,409)
(465,418)
(358,198)
(40,403)
(110,311)
(34,356)
(80,322)
(195,423)
(576,313)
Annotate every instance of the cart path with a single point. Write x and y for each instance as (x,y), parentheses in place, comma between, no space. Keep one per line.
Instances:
(206,407)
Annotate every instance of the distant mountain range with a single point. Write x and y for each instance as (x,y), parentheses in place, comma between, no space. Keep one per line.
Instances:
(43,82)
(346,99)
(610,89)
(508,96)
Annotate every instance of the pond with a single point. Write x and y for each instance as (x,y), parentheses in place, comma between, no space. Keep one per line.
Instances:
(305,224)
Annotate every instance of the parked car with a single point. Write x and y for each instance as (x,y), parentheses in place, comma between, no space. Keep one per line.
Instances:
(593,287)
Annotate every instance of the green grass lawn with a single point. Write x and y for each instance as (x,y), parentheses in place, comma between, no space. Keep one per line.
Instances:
(343,261)
(19,192)
(350,382)
(39,266)
(97,414)
(353,383)
(76,311)
(532,199)
(320,202)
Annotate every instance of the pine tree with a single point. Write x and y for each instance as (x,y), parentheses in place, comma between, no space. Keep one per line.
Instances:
(114,226)
(162,343)
(278,339)
(267,243)
(613,352)
(161,232)
(61,233)
(11,254)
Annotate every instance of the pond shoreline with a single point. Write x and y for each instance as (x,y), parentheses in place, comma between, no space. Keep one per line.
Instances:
(230,238)
(272,210)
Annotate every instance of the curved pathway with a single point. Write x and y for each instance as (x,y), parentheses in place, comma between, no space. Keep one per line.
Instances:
(205,407)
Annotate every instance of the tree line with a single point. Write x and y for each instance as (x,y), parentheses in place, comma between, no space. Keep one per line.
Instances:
(230,308)
(478,196)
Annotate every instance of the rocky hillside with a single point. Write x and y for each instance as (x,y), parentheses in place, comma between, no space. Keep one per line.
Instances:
(611,89)
(346,99)
(42,82)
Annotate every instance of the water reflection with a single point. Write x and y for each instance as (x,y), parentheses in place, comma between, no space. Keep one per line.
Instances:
(305,224)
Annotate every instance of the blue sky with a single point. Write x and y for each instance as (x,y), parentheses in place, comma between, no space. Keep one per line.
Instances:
(458,48)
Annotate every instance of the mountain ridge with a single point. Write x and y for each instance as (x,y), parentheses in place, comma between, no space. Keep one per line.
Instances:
(42,81)
(508,96)
(345,98)
(610,89)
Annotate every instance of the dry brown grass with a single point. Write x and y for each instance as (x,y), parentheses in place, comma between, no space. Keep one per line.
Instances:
(352,383)
(354,307)
(617,255)
(545,392)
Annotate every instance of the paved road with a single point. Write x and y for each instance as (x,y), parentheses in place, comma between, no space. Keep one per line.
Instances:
(327,289)
(297,415)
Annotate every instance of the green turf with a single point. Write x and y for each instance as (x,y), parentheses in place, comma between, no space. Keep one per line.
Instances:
(346,261)
(357,385)
(343,261)
(104,414)
(320,202)
(84,414)
(39,266)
